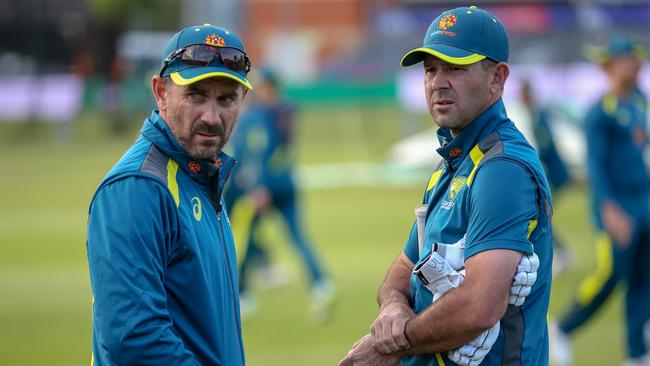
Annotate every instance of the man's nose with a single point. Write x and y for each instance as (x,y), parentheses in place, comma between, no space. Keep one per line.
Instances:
(439,81)
(211,113)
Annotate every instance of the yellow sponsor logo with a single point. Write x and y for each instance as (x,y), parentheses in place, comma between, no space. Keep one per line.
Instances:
(196,208)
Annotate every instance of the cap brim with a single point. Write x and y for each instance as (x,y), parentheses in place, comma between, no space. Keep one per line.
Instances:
(444,52)
(596,54)
(194,74)
(600,55)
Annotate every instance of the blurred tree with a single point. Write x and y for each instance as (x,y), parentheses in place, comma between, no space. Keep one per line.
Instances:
(137,14)
(108,20)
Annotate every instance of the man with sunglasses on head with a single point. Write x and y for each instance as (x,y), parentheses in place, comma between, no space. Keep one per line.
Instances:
(160,248)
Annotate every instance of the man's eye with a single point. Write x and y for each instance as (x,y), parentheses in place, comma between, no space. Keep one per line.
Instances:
(227,98)
(194,95)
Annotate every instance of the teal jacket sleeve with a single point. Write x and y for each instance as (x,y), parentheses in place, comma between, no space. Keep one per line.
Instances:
(131,230)
(502,205)
(597,134)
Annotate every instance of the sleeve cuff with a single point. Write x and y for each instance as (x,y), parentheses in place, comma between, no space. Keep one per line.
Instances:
(524,247)
(411,253)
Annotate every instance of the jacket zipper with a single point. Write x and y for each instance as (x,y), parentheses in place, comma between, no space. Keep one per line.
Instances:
(216,205)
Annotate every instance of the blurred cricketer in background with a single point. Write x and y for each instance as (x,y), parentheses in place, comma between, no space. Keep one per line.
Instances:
(263,144)
(615,127)
(160,248)
(555,168)
(490,198)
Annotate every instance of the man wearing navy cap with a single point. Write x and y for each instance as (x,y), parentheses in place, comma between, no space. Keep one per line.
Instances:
(160,248)
(615,128)
(489,196)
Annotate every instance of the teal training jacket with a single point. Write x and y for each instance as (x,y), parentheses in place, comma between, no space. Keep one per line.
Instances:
(616,134)
(162,258)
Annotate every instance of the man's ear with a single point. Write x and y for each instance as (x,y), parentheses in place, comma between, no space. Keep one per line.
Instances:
(500,74)
(245,91)
(159,88)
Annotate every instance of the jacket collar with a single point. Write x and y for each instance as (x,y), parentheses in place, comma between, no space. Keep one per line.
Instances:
(155,129)
(454,150)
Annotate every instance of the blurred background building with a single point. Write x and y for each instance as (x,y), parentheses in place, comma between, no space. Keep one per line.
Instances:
(60,58)
(340,49)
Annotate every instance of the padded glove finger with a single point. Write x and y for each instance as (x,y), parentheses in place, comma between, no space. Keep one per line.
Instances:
(528,263)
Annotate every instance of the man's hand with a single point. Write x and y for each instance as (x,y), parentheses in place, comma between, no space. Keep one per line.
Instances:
(261,199)
(617,223)
(388,329)
(364,354)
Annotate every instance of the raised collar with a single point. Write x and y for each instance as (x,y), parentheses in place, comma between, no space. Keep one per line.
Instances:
(155,129)
(454,150)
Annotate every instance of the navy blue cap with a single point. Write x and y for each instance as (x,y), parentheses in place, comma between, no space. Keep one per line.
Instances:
(616,47)
(183,74)
(463,36)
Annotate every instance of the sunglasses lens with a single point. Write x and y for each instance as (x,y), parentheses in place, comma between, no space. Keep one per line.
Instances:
(203,55)
(198,55)
(235,59)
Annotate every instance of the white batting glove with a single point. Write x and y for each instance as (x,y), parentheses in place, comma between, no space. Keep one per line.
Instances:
(473,353)
(444,270)
(438,276)
(454,253)
(524,279)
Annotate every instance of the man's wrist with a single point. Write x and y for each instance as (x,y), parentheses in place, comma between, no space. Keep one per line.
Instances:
(392,296)
(394,301)
(406,334)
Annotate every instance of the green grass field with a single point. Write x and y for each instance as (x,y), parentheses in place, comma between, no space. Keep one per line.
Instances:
(45,300)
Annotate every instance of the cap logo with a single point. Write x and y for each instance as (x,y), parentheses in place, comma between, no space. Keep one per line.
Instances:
(215,40)
(447,21)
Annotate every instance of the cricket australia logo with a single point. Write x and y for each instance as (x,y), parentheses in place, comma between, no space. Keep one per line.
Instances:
(455,187)
(215,40)
(447,21)
(196,208)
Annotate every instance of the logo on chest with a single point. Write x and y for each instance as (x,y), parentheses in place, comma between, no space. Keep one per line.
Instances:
(196,208)
(454,188)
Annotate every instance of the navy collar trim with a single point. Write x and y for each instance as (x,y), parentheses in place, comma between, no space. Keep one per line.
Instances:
(456,149)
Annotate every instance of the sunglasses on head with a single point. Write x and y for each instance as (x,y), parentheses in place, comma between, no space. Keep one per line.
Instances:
(203,55)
